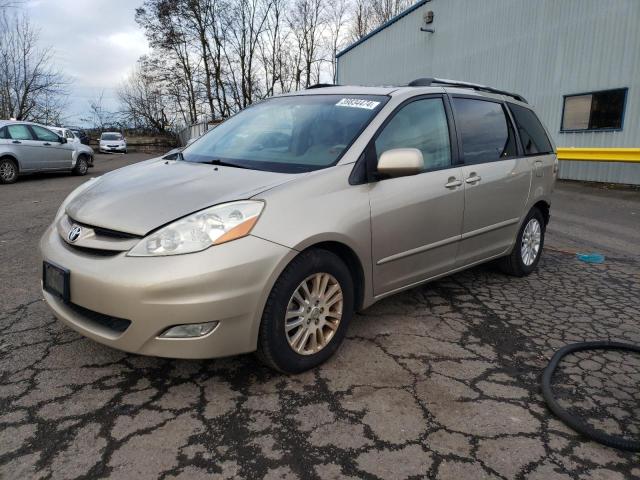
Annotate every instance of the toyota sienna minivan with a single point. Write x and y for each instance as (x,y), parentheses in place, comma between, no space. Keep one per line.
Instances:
(268,232)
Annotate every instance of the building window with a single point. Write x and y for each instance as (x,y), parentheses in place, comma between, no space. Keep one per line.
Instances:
(602,110)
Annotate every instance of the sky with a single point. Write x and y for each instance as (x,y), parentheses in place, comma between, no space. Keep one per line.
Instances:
(96,44)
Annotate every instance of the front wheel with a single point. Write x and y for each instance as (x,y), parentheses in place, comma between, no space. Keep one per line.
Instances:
(307,313)
(526,253)
(82,167)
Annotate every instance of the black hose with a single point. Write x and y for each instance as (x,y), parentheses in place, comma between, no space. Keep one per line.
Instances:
(566,417)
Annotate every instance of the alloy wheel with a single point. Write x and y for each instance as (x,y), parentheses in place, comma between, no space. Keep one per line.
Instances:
(314,313)
(530,245)
(7,171)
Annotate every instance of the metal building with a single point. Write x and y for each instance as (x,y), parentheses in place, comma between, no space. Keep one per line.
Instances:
(576,61)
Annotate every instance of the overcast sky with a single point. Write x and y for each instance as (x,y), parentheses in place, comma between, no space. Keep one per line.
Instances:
(96,42)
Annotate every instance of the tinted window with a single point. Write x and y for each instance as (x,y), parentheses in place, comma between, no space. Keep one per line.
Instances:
(44,134)
(594,111)
(532,134)
(423,125)
(3,133)
(19,132)
(486,133)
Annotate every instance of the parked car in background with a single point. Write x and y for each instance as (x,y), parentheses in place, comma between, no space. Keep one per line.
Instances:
(27,147)
(112,142)
(81,134)
(270,231)
(81,152)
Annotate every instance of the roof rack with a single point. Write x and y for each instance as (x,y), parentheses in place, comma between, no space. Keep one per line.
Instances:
(322,85)
(427,82)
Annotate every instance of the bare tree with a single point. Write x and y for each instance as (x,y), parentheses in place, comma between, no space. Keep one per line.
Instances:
(307,22)
(336,22)
(30,88)
(142,101)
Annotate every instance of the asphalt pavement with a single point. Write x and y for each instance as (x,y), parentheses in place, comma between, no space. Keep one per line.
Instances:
(440,381)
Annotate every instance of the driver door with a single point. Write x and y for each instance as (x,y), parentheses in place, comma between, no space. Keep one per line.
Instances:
(53,154)
(416,221)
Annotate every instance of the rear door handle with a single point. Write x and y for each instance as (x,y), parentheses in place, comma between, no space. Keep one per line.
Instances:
(473,178)
(453,183)
(47,144)
(16,141)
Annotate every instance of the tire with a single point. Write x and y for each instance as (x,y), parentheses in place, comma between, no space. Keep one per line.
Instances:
(82,167)
(521,262)
(125,152)
(8,170)
(290,351)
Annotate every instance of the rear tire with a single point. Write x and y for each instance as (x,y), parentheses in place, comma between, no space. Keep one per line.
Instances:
(8,170)
(82,167)
(526,253)
(307,313)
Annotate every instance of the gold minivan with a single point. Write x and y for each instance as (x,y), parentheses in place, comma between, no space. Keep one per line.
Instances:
(271,230)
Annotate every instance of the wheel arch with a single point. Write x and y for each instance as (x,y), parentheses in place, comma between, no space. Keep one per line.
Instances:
(12,158)
(545,209)
(351,260)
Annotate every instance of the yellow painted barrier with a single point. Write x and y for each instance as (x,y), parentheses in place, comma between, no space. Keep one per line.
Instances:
(599,154)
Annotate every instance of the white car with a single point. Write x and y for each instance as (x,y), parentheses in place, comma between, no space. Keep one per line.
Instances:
(80,150)
(113,142)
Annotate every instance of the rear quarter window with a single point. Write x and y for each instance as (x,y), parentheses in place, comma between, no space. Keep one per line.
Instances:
(532,134)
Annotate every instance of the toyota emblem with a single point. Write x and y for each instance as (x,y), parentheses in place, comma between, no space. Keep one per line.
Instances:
(74,233)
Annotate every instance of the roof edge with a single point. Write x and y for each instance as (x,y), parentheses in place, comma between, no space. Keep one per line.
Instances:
(386,24)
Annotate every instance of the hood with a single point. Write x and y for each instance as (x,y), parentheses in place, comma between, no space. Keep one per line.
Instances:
(142,197)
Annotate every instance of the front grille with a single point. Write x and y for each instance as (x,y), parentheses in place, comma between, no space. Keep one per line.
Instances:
(115,324)
(105,232)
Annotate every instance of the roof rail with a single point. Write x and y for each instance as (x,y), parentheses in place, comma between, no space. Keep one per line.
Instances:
(321,85)
(427,82)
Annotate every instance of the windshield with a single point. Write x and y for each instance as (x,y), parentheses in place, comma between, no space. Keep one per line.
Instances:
(111,136)
(288,134)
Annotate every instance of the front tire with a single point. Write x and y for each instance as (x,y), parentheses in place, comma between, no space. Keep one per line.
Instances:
(8,171)
(82,167)
(307,313)
(528,248)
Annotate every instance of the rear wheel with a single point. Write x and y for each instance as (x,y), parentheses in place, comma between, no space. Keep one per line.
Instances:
(526,253)
(8,170)
(307,313)
(82,166)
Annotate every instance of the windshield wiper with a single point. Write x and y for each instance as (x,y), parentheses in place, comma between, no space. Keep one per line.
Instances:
(224,163)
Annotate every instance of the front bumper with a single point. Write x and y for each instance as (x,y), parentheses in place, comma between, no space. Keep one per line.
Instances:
(106,148)
(228,283)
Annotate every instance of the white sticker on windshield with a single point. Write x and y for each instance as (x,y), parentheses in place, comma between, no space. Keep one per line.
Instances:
(357,103)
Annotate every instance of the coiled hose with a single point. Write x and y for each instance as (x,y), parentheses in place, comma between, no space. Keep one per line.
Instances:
(572,421)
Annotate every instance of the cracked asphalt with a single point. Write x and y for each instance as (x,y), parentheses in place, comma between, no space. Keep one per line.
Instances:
(441,381)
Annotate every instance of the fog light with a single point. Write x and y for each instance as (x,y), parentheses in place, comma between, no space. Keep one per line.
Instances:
(189,330)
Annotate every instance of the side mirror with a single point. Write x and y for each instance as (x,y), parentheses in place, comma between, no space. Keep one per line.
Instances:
(401,162)
(62,139)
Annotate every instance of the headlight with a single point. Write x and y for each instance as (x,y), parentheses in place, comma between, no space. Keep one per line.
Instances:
(201,230)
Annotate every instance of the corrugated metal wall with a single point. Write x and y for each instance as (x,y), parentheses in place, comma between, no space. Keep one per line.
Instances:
(542,49)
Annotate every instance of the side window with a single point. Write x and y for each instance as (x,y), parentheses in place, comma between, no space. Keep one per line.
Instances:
(43,134)
(421,124)
(68,134)
(3,133)
(486,132)
(534,138)
(19,132)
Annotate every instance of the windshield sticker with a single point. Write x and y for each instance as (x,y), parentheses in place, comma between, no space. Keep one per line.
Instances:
(357,103)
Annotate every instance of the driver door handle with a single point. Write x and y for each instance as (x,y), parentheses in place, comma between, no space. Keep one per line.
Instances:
(473,178)
(453,183)
(47,144)
(16,141)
